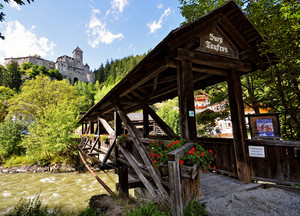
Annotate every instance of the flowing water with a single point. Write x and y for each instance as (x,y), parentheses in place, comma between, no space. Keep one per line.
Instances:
(69,191)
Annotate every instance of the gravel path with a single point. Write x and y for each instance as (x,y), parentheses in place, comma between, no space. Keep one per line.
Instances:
(223,195)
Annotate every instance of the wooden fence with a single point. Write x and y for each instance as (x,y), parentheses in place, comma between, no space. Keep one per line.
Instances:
(281,163)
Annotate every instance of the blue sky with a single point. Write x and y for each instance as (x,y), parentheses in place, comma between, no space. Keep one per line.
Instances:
(103,29)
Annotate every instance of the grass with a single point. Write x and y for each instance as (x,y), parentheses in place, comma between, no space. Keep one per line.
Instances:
(195,209)
(35,207)
(149,209)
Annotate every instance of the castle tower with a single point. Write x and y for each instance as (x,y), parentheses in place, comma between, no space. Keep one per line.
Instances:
(77,54)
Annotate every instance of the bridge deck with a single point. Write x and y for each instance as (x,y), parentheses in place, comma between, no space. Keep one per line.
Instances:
(223,195)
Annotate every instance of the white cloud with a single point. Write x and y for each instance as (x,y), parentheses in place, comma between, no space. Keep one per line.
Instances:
(20,42)
(13,4)
(98,32)
(155,25)
(160,6)
(118,5)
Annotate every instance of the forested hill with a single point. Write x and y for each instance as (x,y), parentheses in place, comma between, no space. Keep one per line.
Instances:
(117,68)
(114,71)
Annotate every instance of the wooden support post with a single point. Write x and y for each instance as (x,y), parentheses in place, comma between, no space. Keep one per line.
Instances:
(186,100)
(118,131)
(123,181)
(175,188)
(92,127)
(238,125)
(170,133)
(145,123)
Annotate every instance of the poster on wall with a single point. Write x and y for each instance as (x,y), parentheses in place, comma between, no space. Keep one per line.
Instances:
(265,127)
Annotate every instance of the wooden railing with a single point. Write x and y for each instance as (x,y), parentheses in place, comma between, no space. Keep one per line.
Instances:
(281,163)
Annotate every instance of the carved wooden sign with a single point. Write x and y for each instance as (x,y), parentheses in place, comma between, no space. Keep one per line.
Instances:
(216,43)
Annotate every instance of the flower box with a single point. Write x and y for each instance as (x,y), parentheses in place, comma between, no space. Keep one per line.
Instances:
(185,171)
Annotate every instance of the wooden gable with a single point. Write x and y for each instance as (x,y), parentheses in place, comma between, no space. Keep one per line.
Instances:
(217,43)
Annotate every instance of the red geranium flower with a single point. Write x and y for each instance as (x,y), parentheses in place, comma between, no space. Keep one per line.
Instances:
(181,162)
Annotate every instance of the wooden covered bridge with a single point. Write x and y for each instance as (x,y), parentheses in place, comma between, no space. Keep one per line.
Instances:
(220,46)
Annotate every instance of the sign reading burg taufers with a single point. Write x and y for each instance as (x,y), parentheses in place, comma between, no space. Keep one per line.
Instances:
(215,43)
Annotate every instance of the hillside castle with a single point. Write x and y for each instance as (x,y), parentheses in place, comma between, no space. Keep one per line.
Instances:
(72,69)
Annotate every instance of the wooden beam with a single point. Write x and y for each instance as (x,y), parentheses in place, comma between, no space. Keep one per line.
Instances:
(107,127)
(144,77)
(146,128)
(173,87)
(213,60)
(155,83)
(238,126)
(145,157)
(137,170)
(185,90)
(242,42)
(208,70)
(204,69)
(170,133)
(118,131)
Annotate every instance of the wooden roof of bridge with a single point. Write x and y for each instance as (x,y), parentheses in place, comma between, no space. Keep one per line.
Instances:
(154,79)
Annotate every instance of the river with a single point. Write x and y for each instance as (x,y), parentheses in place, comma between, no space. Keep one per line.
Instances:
(68,191)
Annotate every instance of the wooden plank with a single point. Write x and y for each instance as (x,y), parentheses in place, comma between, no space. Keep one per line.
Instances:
(175,188)
(141,149)
(147,75)
(170,133)
(238,125)
(107,155)
(242,42)
(155,83)
(186,101)
(180,152)
(94,144)
(107,127)
(137,170)
(212,60)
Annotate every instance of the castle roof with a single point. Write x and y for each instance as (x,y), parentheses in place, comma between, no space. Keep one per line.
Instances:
(77,49)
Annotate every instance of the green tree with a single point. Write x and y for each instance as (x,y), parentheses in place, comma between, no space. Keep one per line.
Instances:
(5,95)
(52,110)
(2,69)
(30,70)
(12,76)
(169,112)
(193,9)
(88,90)
(11,139)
